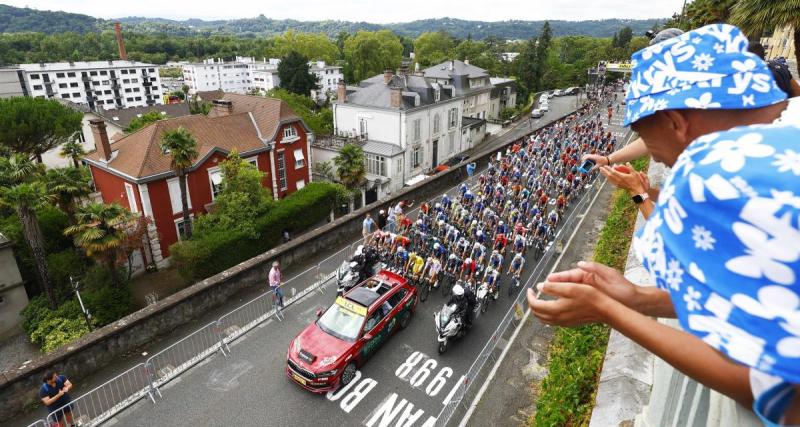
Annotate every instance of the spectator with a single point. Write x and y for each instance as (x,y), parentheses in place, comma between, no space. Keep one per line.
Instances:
(391,223)
(471,169)
(275,279)
(285,235)
(780,71)
(722,245)
(54,394)
(367,228)
(382,220)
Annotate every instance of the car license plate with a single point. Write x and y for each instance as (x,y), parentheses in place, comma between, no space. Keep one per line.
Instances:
(299,379)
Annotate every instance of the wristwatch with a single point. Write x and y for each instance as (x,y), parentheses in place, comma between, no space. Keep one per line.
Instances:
(639,198)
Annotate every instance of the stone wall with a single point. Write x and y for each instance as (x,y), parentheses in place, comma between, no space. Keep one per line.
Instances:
(100,347)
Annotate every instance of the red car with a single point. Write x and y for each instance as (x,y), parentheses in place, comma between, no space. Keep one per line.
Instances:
(328,352)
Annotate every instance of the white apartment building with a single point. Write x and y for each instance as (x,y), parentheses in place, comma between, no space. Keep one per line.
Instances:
(470,82)
(328,77)
(405,124)
(12,82)
(96,84)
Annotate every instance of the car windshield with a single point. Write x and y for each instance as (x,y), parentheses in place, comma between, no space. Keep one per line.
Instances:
(341,323)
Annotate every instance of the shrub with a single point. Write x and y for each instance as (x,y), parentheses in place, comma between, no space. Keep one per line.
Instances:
(63,265)
(218,248)
(106,299)
(57,331)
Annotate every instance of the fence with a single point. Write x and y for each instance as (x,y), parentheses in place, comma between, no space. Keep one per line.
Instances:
(144,379)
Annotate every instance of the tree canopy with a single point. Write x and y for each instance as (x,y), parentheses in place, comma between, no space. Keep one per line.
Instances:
(294,74)
(146,118)
(370,53)
(35,125)
(432,48)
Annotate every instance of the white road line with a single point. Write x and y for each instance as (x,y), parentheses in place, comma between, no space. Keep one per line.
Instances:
(513,337)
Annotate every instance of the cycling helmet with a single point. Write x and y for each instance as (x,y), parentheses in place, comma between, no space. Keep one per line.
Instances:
(662,35)
(495,252)
(436,246)
(452,256)
(458,290)
(502,223)
(468,260)
(438,206)
(480,233)
(401,249)
(474,222)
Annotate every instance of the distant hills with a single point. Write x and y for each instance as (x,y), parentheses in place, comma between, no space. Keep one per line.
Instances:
(15,20)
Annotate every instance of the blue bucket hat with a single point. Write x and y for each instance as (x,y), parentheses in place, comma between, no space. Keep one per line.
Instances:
(707,68)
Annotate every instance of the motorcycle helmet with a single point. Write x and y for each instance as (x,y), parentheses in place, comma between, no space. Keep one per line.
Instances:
(359,250)
(458,290)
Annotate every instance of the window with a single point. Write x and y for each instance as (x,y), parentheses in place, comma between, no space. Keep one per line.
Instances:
(65,95)
(375,165)
(452,143)
(362,126)
(437,95)
(416,157)
(299,160)
(436,123)
(103,73)
(215,179)
(107,92)
(131,198)
(62,85)
(124,72)
(37,87)
(70,74)
(289,132)
(73,85)
(34,77)
(301,183)
(126,80)
(396,298)
(76,95)
(180,226)
(282,170)
(175,195)
(60,75)
(399,165)
(417,123)
(452,117)
(93,73)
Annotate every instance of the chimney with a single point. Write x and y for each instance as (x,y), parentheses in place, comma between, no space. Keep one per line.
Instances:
(402,71)
(387,76)
(101,138)
(451,65)
(222,107)
(396,99)
(466,61)
(120,43)
(341,92)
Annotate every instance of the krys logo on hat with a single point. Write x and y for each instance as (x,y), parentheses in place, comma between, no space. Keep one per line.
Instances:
(707,68)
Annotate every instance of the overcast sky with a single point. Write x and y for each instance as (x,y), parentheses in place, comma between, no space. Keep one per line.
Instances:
(376,11)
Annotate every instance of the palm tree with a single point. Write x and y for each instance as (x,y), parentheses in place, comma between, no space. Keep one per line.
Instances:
(756,16)
(20,190)
(182,146)
(324,170)
(73,150)
(68,186)
(101,231)
(350,167)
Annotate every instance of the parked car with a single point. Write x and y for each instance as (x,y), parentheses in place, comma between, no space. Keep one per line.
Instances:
(544,106)
(558,92)
(327,353)
(537,113)
(543,98)
(571,91)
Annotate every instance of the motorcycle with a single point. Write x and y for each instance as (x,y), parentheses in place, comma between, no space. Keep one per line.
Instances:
(482,295)
(362,265)
(449,325)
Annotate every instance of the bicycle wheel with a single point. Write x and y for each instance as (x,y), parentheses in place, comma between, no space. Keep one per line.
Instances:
(424,290)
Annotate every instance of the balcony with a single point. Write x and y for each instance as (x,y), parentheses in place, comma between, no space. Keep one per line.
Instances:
(336,142)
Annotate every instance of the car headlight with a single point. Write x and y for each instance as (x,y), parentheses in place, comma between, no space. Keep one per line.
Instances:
(330,373)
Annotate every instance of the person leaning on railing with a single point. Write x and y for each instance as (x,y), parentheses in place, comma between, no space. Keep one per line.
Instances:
(722,242)
(54,394)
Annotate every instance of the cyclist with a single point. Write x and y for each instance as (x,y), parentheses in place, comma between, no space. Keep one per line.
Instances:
(468,268)
(415,264)
(401,257)
(500,242)
(433,266)
(495,259)
(491,277)
(516,265)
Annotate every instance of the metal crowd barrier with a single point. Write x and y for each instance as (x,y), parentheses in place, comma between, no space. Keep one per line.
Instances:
(101,403)
(144,379)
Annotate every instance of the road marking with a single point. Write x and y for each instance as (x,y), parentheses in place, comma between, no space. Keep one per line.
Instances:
(227,378)
(385,414)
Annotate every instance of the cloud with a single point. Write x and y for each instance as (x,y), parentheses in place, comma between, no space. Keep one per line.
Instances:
(365,10)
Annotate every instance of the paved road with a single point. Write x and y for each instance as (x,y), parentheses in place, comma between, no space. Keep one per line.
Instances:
(249,387)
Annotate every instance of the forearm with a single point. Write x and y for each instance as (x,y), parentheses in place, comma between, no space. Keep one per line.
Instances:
(653,302)
(684,352)
(646,208)
(632,151)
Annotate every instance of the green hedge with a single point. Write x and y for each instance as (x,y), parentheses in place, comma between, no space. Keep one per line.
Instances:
(567,394)
(217,250)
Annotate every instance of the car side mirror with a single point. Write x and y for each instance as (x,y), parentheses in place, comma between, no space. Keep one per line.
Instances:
(319,312)
(367,337)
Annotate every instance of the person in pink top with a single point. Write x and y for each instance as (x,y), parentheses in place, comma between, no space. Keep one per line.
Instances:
(275,278)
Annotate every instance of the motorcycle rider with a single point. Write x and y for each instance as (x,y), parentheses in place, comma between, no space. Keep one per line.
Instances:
(464,300)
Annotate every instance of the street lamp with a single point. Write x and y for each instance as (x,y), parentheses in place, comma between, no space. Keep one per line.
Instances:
(86,315)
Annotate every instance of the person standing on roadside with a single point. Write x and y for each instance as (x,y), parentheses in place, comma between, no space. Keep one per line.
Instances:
(54,394)
(471,169)
(382,219)
(275,279)
(366,228)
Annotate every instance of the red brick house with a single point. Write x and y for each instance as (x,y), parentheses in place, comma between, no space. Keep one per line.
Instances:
(134,172)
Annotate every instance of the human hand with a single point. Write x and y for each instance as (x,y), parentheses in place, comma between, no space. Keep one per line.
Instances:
(625,178)
(596,158)
(576,304)
(601,277)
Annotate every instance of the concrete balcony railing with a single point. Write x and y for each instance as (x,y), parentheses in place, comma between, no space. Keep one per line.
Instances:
(337,142)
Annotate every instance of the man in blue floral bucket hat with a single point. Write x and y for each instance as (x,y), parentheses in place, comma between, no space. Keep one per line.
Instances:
(723,241)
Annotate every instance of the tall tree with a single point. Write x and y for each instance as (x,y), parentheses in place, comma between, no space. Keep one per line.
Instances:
(624,37)
(350,167)
(314,46)
(542,49)
(21,190)
(294,74)
(432,48)
(35,125)
(526,68)
(74,151)
(703,12)
(755,17)
(182,148)
(369,53)
(68,186)
(101,231)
